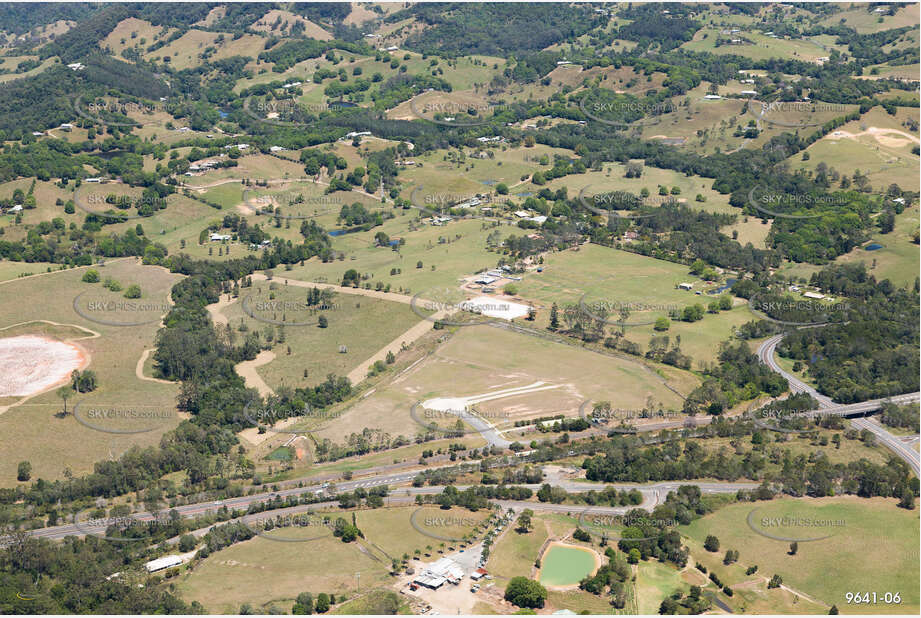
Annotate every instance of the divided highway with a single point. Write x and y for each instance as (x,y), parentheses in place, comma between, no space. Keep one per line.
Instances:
(653,495)
(892,442)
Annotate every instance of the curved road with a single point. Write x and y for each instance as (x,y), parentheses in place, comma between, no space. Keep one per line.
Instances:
(892,442)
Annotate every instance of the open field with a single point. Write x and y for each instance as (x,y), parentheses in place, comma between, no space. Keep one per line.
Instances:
(268,573)
(874,549)
(862,18)
(461,175)
(654,582)
(52,443)
(897,260)
(762,47)
(482,359)
(612,178)
(610,278)
(879,145)
(443,255)
(14,270)
(361,324)
(264,573)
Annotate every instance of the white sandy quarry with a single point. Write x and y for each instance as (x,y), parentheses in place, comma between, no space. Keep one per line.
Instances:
(30,364)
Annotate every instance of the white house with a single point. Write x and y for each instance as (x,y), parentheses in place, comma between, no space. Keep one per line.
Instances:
(749,92)
(351,134)
(473,201)
(485,280)
(814,295)
(563,62)
(94,179)
(16,208)
(66,126)
(162,563)
(712,97)
(37,133)
(276,148)
(522,214)
(685,286)
(76,66)
(485,140)
(220,237)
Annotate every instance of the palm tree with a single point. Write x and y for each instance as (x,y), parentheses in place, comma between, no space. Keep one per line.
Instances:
(65,392)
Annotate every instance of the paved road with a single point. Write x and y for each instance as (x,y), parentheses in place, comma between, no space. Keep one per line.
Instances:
(652,495)
(892,442)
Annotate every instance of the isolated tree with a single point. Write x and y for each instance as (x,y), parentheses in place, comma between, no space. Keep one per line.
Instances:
(525,592)
(554,317)
(524,521)
(908,498)
(65,392)
(794,547)
(24,471)
(712,543)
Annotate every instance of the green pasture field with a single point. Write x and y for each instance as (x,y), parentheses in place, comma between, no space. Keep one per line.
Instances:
(898,259)
(364,325)
(612,178)
(434,246)
(873,550)
(439,174)
(605,275)
(881,149)
(904,71)
(14,270)
(862,18)
(391,530)
(762,48)
(8,77)
(52,443)
(264,573)
(655,581)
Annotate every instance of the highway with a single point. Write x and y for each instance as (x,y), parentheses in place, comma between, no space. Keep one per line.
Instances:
(829,407)
(653,494)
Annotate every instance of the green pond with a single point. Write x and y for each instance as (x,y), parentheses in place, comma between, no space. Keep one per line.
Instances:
(565,565)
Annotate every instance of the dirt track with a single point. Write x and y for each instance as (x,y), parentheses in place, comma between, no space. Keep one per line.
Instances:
(247,371)
(139,369)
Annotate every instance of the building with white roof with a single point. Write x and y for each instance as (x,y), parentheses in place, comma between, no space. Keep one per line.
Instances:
(162,563)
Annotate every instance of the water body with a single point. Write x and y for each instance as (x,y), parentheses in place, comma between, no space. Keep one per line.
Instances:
(337,232)
(729,283)
(873,246)
(343,104)
(566,565)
